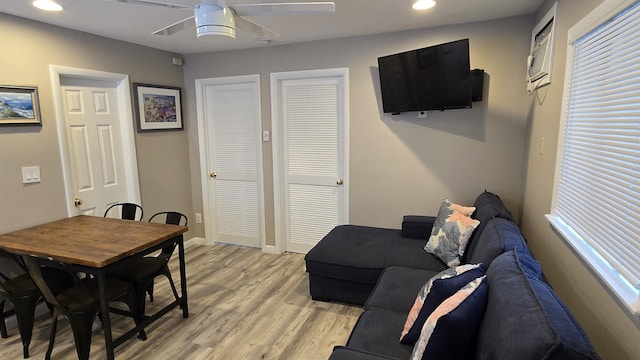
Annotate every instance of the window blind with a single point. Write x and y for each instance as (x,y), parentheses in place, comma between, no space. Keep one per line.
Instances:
(598,189)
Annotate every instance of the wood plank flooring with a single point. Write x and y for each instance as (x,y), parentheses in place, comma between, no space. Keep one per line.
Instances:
(243,304)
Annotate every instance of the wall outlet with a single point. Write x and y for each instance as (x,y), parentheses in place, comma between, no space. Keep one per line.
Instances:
(198,218)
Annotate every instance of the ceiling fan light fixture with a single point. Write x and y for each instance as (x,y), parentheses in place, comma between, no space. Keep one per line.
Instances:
(423,4)
(47,5)
(214,20)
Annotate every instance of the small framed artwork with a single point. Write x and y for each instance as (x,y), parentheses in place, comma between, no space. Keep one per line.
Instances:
(158,108)
(19,105)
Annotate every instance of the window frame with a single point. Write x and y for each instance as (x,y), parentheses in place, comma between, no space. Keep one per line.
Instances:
(625,295)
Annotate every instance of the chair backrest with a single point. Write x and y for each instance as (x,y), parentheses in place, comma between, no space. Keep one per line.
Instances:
(8,263)
(127,211)
(33,265)
(171,218)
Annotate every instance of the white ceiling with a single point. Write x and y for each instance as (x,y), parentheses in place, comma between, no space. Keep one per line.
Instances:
(135,23)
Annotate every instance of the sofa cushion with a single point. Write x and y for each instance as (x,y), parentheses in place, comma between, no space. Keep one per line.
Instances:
(345,353)
(397,288)
(417,226)
(488,205)
(524,319)
(433,293)
(450,331)
(377,332)
(499,235)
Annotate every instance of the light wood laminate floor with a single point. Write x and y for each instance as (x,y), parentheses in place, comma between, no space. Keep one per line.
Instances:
(243,304)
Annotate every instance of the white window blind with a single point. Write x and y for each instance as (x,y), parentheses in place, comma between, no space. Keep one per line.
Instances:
(597,193)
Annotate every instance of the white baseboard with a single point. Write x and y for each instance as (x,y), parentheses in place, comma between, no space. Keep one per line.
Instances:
(196,241)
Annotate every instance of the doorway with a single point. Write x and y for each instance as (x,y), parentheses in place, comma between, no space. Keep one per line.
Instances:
(96,139)
(230,124)
(310,126)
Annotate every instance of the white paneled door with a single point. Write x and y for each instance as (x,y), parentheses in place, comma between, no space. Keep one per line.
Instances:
(229,111)
(94,143)
(310,124)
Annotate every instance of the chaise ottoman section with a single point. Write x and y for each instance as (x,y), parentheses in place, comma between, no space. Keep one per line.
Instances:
(346,264)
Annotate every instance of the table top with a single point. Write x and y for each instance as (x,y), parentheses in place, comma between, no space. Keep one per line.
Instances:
(89,240)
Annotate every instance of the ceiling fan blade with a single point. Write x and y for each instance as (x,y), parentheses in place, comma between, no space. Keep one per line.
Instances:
(260,31)
(322,7)
(175,27)
(153,3)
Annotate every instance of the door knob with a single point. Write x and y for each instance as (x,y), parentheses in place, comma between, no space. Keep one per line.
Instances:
(77,201)
(340,181)
(213,174)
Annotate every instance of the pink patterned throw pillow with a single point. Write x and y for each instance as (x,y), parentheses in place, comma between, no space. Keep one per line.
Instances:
(433,292)
(450,330)
(451,232)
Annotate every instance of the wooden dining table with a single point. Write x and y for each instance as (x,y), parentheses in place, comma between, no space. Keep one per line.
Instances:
(97,245)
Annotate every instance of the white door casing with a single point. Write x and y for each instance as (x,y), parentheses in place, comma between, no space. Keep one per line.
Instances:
(310,151)
(114,152)
(229,130)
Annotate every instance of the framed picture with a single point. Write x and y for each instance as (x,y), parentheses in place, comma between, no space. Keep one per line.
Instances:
(158,107)
(19,105)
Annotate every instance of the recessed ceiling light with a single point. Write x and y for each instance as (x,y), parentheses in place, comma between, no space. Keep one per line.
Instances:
(47,5)
(423,4)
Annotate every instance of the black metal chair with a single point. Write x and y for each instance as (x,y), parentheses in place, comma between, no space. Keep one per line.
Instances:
(17,288)
(142,272)
(80,304)
(127,211)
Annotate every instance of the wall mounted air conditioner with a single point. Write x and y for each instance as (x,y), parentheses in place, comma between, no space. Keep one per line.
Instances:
(540,59)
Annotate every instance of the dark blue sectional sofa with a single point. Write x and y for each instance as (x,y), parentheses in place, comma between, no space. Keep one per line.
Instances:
(384,269)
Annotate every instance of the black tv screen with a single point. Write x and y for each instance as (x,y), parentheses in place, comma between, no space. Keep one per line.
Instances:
(432,78)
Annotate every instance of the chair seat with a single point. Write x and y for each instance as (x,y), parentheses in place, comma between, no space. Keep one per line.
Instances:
(145,267)
(79,298)
(21,285)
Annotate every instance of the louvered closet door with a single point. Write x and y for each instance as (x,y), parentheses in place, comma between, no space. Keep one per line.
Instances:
(234,155)
(313,119)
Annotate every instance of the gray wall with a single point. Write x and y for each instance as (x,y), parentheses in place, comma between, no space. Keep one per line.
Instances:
(400,164)
(29,48)
(611,331)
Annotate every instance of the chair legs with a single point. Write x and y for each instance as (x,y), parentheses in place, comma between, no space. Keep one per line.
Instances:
(25,314)
(166,272)
(81,324)
(3,325)
(52,335)
(25,308)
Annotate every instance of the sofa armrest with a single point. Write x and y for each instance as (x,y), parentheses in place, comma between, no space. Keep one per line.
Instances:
(345,353)
(417,227)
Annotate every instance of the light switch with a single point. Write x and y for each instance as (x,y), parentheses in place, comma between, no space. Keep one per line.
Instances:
(266,137)
(30,174)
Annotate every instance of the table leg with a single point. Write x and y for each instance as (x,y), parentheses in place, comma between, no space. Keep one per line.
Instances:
(183,278)
(106,319)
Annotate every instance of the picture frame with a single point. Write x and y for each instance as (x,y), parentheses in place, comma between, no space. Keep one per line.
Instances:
(19,105)
(158,108)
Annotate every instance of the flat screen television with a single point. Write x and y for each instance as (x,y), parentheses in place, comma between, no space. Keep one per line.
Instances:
(433,78)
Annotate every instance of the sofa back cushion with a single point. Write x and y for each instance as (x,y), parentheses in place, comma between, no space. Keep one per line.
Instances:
(525,319)
(488,205)
(499,235)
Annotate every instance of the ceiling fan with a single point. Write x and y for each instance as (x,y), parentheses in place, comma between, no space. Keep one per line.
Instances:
(214,17)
